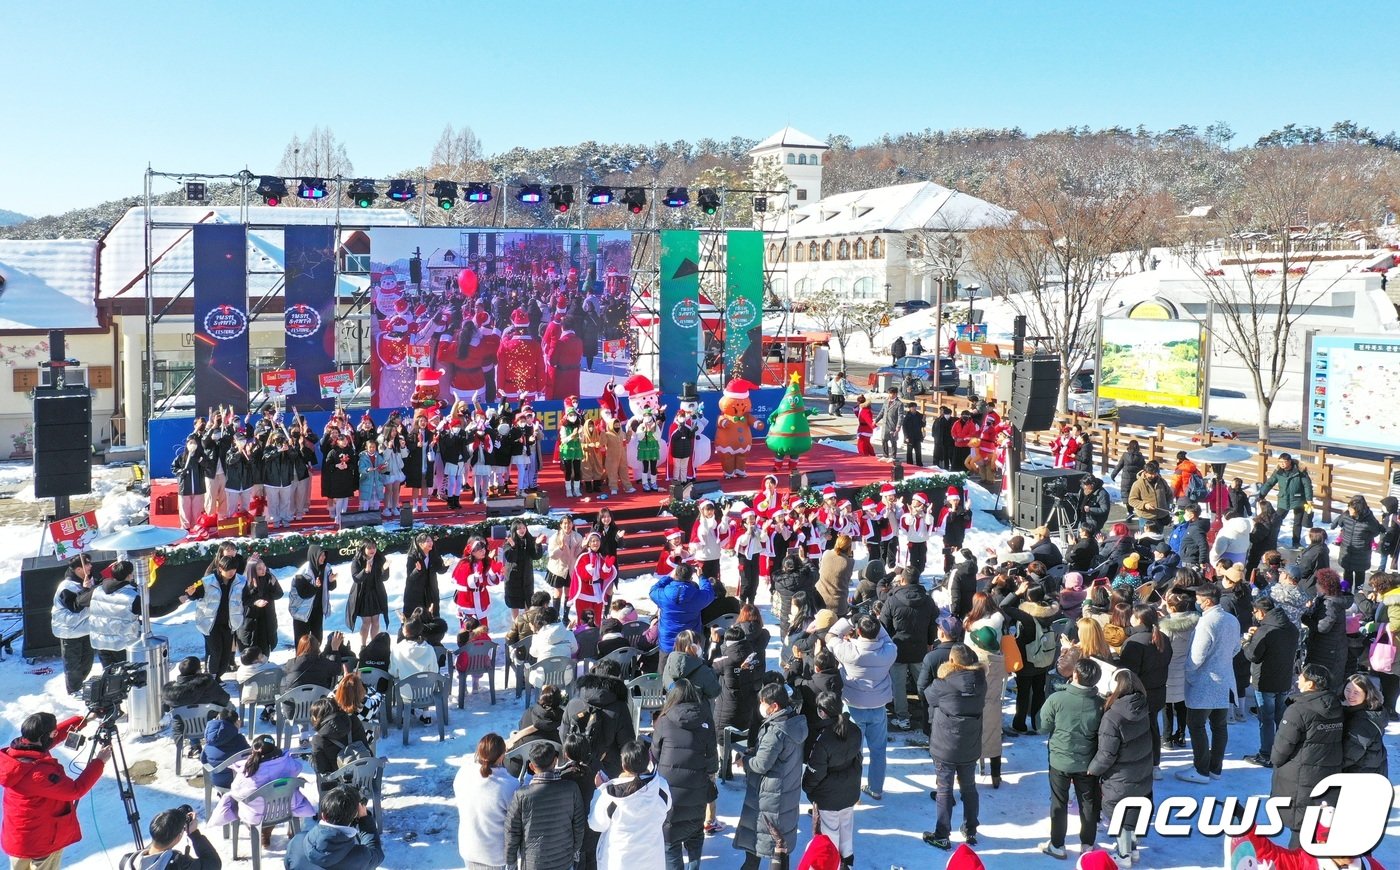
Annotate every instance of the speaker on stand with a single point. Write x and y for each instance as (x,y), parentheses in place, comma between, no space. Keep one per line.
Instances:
(1035,391)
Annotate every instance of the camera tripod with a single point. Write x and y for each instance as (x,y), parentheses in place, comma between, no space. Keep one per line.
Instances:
(1062,515)
(108,735)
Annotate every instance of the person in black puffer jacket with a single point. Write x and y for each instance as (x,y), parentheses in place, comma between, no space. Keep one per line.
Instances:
(683,742)
(598,710)
(542,720)
(1363,724)
(1195,550)
(309,667)
(809,679)
(962,584)
(794,575)
(738,674)
(335,730)
(1326,620)
(955,705)
(1123,762)
(832,775)
(1271,647)
(193,686)
(546,819)
(1237,600)
(1309,745)
(908,616)
(1148,653)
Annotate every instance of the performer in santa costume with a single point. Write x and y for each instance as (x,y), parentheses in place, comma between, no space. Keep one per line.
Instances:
(489,346)
(475,574)
(750,546)
(825,520)
(865,426)
(1064,448)
(590,584)
(963,431)
(876,529)
(468,381)
(520,371)
(564,358)
(769,500)
(893,509)
(707,538)
(672,554)
(481,446)
(915,528)
(953,522)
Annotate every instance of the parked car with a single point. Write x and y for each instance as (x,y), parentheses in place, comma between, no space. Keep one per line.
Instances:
(909,306)
(922,369)
(1081,397)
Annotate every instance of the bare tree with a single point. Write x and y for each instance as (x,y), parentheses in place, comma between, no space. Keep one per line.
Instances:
(319,155)
(828,308)
(456,148)
(868,318)
(1077,202)
(1261,289)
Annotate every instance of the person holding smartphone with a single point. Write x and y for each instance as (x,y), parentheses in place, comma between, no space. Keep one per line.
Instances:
(167,829)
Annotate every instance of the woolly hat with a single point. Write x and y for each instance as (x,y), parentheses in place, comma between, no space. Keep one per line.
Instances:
(1235,573)
(1074,580)
(985,639)
(1131,560)
(950,626)
(824,620)
(1096,860)
(874,571)
(965,859)
(738,388)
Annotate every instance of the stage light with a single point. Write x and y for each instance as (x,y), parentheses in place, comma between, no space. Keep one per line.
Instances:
(479,192)
(561,196)
(401,190)
(599,195)
(195,191)
(529,194)
(708,200)
(362,192)
(760,204)
(445,192)
(272,190)
(635,198)
(312,188)
(676,197)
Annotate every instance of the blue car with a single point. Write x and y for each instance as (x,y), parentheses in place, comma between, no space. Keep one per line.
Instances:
(921,367)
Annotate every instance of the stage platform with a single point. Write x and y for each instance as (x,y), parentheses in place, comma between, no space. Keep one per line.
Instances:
(638,513)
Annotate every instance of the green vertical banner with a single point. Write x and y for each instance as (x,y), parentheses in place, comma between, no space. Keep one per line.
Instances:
(743,307)
(679,309)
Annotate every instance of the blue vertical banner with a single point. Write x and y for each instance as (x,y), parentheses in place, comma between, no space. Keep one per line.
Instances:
(221,316)
(678,308)
(309,310)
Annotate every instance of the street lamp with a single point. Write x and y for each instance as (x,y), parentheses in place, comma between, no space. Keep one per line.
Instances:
(971,295)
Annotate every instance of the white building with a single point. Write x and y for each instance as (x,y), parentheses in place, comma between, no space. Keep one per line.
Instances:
(874,244)
(800,157)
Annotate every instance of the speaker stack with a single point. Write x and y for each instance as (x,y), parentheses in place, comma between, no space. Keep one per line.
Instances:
(1035,506)
(62,442)
(1035,391)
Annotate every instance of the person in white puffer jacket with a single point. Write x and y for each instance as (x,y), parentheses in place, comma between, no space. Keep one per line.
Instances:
(629,813)
(1232,541)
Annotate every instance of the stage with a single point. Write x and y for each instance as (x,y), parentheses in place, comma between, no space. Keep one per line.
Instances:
(637,513)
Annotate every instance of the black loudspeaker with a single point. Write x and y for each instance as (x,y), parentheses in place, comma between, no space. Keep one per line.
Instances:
(62,442)
(1035,491)
(1035,390)
(358,519)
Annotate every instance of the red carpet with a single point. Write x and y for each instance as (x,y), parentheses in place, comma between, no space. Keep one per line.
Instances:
(637,512)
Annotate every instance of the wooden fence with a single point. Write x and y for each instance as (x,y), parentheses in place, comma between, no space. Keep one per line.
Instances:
(1333,482)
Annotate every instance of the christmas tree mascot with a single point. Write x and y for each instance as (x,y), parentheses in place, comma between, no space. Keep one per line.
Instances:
(789,435)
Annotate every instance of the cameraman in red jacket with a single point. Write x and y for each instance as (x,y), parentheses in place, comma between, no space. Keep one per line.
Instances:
(40,804)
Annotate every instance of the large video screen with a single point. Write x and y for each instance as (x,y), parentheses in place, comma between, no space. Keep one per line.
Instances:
(1154,362)
(494,314)
(1347,399)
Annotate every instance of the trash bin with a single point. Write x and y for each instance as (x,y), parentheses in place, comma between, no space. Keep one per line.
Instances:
(144,706)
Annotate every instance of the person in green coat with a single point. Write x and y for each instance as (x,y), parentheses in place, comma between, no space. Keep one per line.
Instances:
(1071,719)
(789,433)
(1295,494)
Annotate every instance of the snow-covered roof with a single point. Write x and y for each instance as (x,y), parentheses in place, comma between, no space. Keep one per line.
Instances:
(899,207)
(789,137)
(48,284)
(172,247)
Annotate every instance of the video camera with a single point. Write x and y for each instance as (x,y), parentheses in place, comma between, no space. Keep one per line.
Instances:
(106,693)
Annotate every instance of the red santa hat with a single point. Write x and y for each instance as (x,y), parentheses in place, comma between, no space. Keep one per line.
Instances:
(571,403)
(770,477)
(920,498)
(639,387)
(427,379)
(844,504)
(966,859)
(518,317)
(828,492)
(748,512)
(482,318)
(991,418)
(674,534)
(870,504)
(953,492)
(738,388)
(793,499)
(703,503)
(365,418)
(886,489)
(1096,860)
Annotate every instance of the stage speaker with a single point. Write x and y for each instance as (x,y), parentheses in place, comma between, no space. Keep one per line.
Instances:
(1035,390)
(1036,489)
(62,442)
(812,479)
(694,490)
(358,519)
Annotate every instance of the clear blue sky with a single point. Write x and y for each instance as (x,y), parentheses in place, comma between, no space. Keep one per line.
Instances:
(94,91)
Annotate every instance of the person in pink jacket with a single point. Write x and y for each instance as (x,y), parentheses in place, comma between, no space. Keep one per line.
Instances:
(267,764)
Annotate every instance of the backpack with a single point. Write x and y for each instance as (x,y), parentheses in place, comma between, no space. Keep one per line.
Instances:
(1177,537)
(1196,488)
(589,726)
(1041,651)
(355,751)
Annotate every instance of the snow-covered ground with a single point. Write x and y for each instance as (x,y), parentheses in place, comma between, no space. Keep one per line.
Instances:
(420,821)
